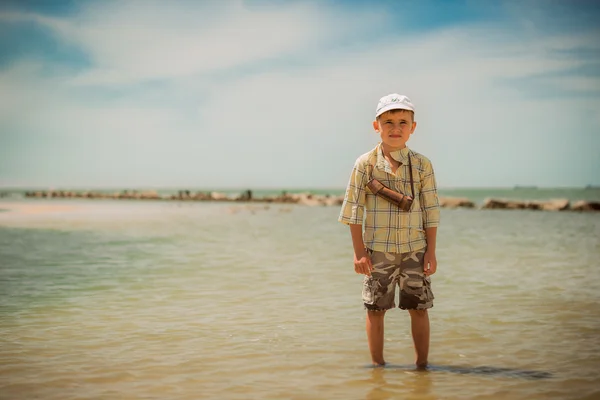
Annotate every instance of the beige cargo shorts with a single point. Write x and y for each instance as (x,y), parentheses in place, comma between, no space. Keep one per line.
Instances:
(404,270)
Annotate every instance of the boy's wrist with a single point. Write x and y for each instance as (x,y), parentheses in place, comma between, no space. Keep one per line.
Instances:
(360,253)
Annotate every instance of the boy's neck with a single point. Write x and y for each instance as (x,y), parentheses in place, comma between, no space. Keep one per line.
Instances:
(387,151)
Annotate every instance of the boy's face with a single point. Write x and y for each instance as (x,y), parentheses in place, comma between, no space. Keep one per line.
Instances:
(395,127)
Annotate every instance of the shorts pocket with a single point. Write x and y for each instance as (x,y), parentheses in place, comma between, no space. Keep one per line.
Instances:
(368,291)
(427,292)
(417,294)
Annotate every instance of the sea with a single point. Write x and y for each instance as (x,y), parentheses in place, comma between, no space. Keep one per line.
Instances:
(146,299)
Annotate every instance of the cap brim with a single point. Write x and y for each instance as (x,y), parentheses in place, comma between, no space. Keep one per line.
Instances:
(394,106)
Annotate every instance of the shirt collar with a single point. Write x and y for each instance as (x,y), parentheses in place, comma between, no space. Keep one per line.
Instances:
(398,155)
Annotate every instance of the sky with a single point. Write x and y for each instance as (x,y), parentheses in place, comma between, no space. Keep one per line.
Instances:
(282,94)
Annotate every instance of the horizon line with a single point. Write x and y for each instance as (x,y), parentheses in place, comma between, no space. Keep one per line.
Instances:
(272,188)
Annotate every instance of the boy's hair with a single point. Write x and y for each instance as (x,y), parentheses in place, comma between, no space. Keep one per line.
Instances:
(398,110)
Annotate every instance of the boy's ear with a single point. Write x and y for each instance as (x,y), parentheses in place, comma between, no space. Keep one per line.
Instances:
(414,126)
(376,125)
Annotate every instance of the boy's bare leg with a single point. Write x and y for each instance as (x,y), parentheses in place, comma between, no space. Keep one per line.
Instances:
(375,335)
(419,322)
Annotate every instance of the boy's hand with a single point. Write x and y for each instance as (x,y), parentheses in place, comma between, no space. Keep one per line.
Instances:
(362,264)
(429,263)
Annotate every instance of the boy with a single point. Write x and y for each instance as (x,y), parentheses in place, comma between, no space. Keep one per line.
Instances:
(397,247)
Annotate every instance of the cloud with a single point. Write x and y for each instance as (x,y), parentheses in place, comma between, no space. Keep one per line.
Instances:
(128,42)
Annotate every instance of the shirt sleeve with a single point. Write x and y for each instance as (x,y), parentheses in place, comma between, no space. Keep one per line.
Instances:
(429,198)
(354,200)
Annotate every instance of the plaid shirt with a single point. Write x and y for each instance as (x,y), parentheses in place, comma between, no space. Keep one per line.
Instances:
(386,227)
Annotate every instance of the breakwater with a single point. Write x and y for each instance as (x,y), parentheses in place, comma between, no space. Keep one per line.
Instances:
(310,199)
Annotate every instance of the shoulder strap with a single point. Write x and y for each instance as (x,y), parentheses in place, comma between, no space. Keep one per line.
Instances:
(412,185)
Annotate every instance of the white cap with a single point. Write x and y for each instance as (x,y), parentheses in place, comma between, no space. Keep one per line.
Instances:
(393,101)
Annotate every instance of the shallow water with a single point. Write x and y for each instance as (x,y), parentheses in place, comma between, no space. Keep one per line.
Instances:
(130,300)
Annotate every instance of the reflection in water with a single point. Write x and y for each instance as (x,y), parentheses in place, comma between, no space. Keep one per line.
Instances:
(415,384)
(482,370)
(495,371)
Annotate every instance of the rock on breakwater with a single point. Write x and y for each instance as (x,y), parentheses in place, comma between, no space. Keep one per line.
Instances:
(548,205)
